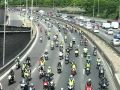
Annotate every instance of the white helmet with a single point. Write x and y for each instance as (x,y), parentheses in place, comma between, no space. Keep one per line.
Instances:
(89,80)
(46,50)
(49,67)
(71,76)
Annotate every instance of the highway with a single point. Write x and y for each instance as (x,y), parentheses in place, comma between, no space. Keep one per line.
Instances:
(106,37)
(60,79)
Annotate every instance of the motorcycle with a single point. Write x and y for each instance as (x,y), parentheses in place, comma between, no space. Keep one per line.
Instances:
(56,43)
(104,84)
(18,65)
(68,50)
(101,73)
(52,85)
(73,72)
(76,53)
(46,85)
(52,47)
(61,56)
(66,59)
(46,56)
(10,79)
(98,65)
(88,87)
(87,70)
(85,54)
(94,52)
(70,87)
(59,69)
(41,74)
(23,84)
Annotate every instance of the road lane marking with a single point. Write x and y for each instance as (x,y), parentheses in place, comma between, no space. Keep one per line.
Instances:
(83,71)
(34,70)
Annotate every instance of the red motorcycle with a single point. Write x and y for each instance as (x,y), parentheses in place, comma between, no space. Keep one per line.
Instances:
(73,72)
(88,86)
(45,85)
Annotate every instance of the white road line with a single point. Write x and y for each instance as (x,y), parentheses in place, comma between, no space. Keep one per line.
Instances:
(83,71)
(34,70)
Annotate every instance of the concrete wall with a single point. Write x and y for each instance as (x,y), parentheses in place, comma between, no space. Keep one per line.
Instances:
(15,42)
(2,12)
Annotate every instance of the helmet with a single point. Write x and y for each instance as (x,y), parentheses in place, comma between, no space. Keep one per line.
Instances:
(18,57)
(46,50)
(49,67)
(71,76)
(61,89)
(89,80)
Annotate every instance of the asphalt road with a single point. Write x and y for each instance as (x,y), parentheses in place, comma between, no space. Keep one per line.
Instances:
(14,19)
(60,79)
(107,37)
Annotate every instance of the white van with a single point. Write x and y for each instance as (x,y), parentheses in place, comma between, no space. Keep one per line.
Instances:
(114,25)
(106,25)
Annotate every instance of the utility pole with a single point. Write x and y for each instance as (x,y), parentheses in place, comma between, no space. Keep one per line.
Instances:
(4,34)
(31,17)
(93,9)
(98,8)
(53,5)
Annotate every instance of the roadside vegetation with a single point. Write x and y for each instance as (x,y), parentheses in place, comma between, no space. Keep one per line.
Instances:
(107,8)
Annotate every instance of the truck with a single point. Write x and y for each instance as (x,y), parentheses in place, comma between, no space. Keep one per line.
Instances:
(106,25)
(115,25)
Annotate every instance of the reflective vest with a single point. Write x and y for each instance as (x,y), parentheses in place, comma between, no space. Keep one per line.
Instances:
(87,65)
(71,82)
(49,70)
(74,66)
(85,50)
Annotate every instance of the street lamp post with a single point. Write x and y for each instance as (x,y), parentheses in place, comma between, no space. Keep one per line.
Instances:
(4,35)
(93,9)
(98,8)
(31,17)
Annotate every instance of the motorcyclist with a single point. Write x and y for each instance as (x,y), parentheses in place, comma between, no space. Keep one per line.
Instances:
(71,80)
(65,38)
(41,39)
(85,42)
(73,65)
(18,62)
(49,70)
(28,61)
(46,54)
(76,51)
(98,61)
(42,62)
(89,85)
(88,59)
(85,51)
(61,55)
(87,65)
(104,83)
(11,73)
(46,51)
(59,64)
(27,73)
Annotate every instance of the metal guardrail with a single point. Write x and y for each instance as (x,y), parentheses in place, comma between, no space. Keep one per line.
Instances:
(10,64)
(102,53)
